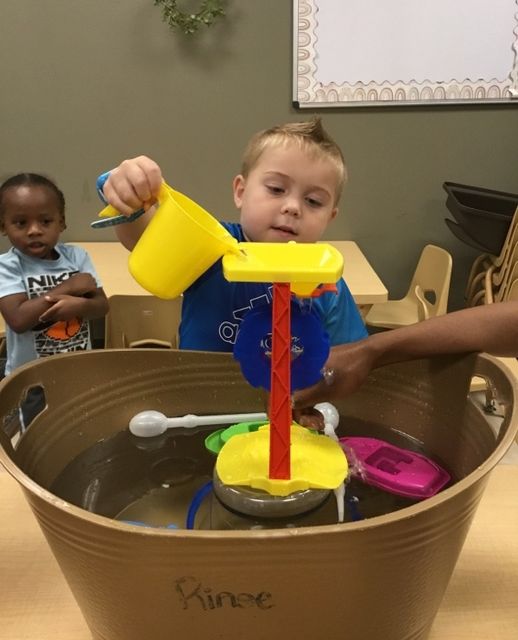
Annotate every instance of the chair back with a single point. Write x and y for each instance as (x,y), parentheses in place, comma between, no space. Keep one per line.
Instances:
(512,274)
(512,292)
(510,239)
(430,283)
(142,321)
(500,277)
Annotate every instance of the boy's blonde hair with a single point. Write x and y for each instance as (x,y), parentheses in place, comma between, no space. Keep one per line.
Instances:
(310,136)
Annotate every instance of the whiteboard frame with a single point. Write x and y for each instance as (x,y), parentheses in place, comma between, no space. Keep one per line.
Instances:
(309,93)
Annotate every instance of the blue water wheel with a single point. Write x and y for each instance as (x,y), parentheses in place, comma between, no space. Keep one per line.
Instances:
(309,346)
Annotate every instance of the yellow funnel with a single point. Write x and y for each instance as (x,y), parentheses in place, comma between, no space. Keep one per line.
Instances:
(303,265)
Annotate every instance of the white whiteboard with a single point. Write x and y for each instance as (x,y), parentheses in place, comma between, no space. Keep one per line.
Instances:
(382,52)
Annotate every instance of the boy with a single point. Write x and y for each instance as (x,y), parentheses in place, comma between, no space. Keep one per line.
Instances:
(48,290)
(291,180)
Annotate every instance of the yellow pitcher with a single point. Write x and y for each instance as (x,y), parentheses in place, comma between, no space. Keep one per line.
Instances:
(180,243)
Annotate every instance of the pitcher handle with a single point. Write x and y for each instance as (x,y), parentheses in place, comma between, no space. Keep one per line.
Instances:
(110,217)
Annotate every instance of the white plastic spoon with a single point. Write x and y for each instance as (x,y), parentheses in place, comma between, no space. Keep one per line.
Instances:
(147,424)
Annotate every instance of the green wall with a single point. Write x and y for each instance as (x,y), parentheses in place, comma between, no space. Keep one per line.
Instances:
(86,84)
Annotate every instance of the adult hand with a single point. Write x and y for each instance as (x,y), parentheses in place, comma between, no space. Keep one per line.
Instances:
(347,368)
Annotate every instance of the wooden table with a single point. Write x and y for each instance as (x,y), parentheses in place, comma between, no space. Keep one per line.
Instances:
(111,261)
(364,283)
(481,601)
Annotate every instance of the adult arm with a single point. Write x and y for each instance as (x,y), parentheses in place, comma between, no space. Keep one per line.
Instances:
(490,328)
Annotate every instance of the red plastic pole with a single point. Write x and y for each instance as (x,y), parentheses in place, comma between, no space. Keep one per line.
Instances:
(280,397)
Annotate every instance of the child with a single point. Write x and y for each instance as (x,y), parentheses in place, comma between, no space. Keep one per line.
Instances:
(492,328)
(48,290)
(290,183)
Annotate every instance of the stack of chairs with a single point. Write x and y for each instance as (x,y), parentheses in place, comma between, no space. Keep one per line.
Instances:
(507,291)
(491,277)
(494,279)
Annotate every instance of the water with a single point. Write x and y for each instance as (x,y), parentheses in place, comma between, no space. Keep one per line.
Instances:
(153,481)
(140,479)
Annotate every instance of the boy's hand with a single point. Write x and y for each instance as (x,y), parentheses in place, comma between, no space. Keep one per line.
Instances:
(64,307)
(133,185)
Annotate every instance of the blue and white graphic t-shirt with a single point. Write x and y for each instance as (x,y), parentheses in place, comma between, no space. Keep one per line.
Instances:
(22,274)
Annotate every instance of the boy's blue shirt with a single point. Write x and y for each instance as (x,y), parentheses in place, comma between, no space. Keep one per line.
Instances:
(213,308)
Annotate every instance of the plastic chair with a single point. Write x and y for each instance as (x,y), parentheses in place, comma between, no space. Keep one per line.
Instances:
(427,295)
(142,321)
(481,263)
(512,291)
(485,293)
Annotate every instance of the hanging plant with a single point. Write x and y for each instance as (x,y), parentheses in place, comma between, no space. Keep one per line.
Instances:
(187,22)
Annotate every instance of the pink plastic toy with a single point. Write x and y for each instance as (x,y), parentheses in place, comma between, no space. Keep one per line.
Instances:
(396,470)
